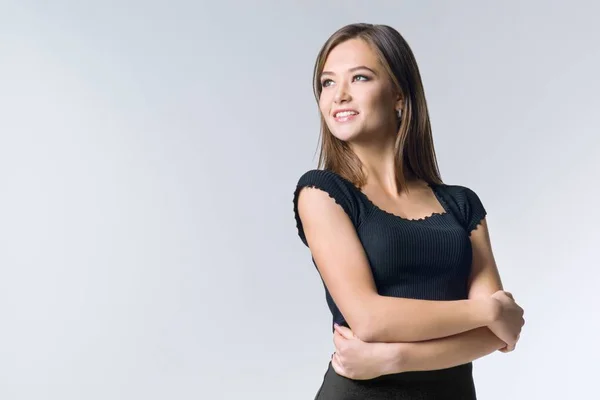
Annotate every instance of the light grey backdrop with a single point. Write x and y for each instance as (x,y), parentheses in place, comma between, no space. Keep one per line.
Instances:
(148,155)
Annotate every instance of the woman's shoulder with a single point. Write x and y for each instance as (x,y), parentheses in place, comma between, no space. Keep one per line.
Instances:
(460,192)
(329,181)
(322,175)
(468,202)
(342,191)
(338,187)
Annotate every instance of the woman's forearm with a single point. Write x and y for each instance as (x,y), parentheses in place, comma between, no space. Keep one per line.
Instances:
(392,319)
(445,352)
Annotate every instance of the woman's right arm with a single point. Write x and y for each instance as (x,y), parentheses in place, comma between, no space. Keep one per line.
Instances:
(343,265)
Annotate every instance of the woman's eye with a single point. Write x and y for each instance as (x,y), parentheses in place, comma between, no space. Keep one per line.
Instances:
(328,82)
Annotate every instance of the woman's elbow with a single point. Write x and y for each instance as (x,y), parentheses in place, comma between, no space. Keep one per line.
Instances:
(365,319)
(366,328)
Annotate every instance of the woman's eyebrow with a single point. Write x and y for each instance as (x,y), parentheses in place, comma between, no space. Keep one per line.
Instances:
(350,70)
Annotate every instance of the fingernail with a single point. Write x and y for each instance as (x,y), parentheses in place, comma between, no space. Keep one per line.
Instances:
(335,325)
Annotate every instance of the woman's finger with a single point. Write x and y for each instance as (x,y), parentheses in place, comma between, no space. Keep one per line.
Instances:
(344,331)
(337,366)
(337,338)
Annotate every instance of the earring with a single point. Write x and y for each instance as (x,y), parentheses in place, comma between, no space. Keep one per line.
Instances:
(398,114)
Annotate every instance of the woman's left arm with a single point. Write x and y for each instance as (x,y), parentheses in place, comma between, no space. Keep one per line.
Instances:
(455,350)
(485,278)
(437,353)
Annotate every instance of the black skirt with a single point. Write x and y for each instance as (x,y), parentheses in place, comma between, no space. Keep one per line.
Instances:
(448,384)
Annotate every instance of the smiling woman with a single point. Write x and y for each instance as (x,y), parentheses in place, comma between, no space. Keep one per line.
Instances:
(352,69)
(405,259)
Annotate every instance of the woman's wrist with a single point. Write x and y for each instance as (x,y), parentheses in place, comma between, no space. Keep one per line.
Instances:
(394,358)
(487,310)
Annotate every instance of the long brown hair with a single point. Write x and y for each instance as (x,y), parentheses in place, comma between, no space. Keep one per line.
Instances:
(414,150)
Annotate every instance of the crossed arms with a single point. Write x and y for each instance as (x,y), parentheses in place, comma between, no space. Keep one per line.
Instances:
(453,332)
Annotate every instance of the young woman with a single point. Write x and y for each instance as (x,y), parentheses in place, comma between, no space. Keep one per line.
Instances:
(405,259)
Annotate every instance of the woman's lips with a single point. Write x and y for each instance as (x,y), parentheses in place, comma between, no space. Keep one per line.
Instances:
(346,115)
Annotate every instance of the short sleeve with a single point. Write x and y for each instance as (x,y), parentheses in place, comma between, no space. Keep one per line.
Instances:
(472,208)
(335,186)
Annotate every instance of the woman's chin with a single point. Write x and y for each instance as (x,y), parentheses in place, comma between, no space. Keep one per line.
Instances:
(346,135)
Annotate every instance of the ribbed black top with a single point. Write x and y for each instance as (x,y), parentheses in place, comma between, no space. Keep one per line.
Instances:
(428,258)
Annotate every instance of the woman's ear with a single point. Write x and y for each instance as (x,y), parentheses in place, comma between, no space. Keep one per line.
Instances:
(399,102)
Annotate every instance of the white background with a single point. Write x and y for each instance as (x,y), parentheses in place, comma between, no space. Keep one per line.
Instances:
(148,156)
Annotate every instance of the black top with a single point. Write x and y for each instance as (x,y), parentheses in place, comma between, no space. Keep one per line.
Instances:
(428,258)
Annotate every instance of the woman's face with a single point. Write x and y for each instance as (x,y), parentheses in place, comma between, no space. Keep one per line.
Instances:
(357,100)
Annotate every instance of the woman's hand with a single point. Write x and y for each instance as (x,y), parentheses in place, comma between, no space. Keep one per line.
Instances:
(509,322)
(355,359)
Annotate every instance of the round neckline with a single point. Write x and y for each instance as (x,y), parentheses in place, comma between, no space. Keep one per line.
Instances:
(426,217)
(376,207)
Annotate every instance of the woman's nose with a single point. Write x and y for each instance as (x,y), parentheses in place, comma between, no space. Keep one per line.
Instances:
(342,93)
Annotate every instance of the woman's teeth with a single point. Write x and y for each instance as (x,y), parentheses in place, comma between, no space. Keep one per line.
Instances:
(345,114)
